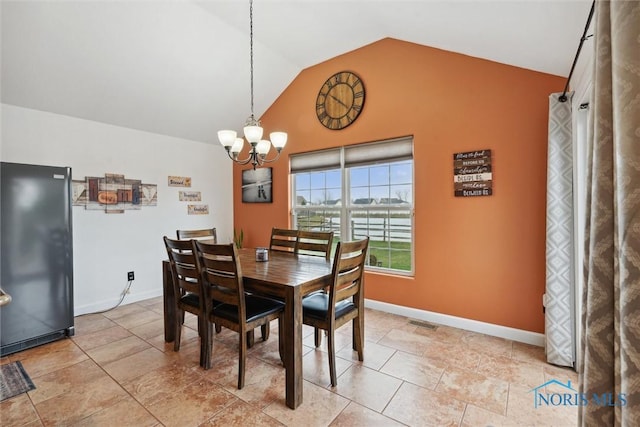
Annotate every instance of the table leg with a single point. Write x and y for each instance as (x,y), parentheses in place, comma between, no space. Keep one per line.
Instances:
(293,346)
(169,301)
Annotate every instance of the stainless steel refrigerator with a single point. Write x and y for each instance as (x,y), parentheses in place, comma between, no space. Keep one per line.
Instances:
(36,255)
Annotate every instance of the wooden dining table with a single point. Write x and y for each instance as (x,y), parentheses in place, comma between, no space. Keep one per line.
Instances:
(286,276)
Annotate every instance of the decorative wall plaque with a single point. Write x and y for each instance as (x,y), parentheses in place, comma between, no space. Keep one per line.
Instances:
(472,174)
(179,181)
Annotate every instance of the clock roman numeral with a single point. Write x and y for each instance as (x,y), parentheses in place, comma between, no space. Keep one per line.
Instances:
(359,94)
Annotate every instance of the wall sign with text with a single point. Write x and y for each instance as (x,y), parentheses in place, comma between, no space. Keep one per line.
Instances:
(472,175)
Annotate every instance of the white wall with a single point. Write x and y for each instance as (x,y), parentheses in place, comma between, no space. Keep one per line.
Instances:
(107,246)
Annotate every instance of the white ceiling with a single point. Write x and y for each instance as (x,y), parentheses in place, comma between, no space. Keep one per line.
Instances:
(181,68)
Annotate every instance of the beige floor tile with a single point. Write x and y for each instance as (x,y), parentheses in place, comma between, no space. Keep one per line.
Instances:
(89,323)
(342,340)
(50,357)
(455,355)
(315,368)
(408,342)
(78,403)
(160,383)
(375,355)
(117,350)
(241,414)
(319,407)
(17,411)
(64,380)
(417,406)
(529,353)
(415,369)
(355,415)
(118,370)
(511,370)
(367,387)
(149,330)
(101,337)
(137,364)
(521,406)
(139,318)
(379,319)
(124,413)
(263,383)
(374,335)
(442,333)
(487,344)
(485,392)
(474,417)
(268,351)
(192,405)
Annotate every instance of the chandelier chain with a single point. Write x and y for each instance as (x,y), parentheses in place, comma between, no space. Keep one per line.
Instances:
(251,52)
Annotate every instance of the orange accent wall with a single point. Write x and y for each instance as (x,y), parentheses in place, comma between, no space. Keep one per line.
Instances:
(480,258)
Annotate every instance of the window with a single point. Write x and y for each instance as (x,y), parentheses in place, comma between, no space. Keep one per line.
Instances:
(357,191)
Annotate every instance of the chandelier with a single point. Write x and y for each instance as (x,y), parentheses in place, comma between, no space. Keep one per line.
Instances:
(252,128)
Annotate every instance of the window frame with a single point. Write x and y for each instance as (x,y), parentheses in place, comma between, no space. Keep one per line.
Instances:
(346,210)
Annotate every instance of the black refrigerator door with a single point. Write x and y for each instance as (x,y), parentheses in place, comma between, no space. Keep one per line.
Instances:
(36,255)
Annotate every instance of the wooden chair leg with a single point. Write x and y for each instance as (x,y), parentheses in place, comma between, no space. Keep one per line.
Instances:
(332,358)
(358,338)
(266,330)
(317,334)
(250,338)
(178,326)
(242,359)
(206,343)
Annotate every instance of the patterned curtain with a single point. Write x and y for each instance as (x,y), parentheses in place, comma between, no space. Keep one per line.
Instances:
(559,334)
(611,297)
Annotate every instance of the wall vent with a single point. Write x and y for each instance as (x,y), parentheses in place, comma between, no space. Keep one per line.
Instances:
(423,324)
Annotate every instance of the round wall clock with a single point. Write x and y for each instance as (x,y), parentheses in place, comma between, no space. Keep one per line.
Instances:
(340,100)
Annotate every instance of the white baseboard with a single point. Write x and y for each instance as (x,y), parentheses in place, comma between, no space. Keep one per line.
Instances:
(107,304)
(506,332)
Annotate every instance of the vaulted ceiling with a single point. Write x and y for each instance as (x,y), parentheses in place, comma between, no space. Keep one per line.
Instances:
(181,68)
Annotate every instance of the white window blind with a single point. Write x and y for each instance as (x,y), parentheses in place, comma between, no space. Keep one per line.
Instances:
(315,161)
(391,150)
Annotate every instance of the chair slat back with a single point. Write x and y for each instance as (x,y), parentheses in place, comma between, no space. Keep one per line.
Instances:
(348,271)
(220,271)
(283,240)
(183,266)
(205,233)
(317,243)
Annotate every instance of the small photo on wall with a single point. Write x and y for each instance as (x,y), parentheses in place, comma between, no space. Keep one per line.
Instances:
(256,185)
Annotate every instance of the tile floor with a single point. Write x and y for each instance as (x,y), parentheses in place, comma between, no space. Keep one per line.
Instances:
(118,371)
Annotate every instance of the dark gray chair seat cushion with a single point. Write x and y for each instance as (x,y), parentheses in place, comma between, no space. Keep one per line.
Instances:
(256,307)
(316,306)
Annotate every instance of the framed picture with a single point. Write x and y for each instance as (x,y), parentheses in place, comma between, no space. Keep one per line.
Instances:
(256,185)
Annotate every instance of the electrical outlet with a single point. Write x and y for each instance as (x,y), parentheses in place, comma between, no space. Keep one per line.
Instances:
(130,276)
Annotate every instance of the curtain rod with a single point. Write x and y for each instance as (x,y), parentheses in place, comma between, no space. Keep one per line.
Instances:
(584,37)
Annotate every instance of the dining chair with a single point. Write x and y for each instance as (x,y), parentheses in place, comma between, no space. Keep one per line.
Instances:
(221,276)
(188,290)
(343,302)
(202,234)
(316,243)
(283,240)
